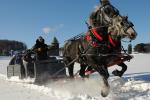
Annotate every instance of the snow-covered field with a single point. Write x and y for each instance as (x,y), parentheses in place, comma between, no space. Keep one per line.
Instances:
(135,85)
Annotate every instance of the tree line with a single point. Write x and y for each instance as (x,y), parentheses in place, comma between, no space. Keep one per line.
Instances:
(142,48)
(7,45)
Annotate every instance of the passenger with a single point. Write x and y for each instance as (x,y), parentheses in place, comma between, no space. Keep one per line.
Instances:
(27,57)
(40,48)
(18,58)
(28,64)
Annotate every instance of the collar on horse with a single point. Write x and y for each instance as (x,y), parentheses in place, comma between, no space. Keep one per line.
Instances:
(99,37)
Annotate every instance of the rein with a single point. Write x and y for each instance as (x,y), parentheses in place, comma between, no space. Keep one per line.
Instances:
(127,41)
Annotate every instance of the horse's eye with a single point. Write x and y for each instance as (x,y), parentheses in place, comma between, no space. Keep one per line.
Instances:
(121,23)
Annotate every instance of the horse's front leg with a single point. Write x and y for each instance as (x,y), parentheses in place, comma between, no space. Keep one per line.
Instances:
(69,66)
(25,64)
(103,71)
(70,70)
(120,73)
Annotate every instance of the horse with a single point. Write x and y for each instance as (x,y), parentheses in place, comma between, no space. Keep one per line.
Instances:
(82,51)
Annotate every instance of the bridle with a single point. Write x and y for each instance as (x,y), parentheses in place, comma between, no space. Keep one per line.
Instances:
(127,24)
(105,17)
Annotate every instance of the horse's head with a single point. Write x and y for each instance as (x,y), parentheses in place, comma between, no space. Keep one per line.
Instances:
(118,25)
(121,26)
(107,16)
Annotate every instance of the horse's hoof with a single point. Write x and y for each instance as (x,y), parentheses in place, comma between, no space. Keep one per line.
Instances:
(117,73)
(71,77)
(84,76)
(105,88)
(105,91)
(104,94)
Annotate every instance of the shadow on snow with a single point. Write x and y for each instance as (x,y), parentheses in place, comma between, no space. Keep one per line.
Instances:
(144,76)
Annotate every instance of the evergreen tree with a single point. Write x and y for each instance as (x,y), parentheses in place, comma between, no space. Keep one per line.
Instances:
(55,41)
(54,48)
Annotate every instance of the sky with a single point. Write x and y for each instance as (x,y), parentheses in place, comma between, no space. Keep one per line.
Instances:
(26,20)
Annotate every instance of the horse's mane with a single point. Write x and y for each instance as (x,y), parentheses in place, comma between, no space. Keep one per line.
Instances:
(81,35)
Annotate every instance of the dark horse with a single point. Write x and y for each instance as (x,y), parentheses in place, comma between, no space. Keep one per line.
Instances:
(82,51)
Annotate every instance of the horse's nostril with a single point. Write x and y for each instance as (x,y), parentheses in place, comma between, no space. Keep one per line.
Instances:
(133,35)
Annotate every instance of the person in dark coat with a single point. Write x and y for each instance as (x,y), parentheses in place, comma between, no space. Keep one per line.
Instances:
(28,63)
(40,48)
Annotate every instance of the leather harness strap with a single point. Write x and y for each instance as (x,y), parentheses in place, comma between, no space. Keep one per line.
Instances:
(93,30)
(100,38)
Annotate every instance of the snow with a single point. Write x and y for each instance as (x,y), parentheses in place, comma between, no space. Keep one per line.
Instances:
(135,84)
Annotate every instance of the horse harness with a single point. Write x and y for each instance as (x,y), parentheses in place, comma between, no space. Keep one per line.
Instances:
(100,39)
(110,44)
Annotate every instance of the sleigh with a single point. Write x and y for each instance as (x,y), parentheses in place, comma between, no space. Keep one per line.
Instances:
(41,71)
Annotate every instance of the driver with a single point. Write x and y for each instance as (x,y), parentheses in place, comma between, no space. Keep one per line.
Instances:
(41,49)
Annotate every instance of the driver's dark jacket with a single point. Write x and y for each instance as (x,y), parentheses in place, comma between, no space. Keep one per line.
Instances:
(42,54)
